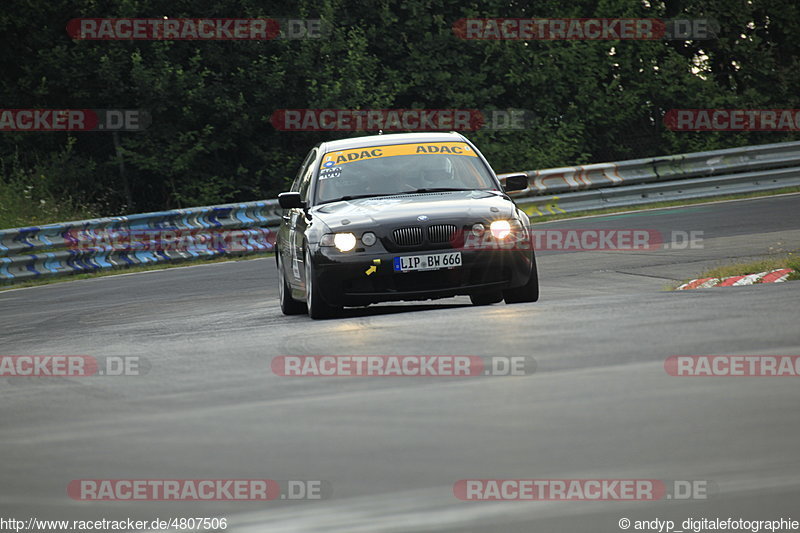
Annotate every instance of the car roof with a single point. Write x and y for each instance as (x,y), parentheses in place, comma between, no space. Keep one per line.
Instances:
(394,138)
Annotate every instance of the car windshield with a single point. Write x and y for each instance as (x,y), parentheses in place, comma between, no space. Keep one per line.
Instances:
(401,168)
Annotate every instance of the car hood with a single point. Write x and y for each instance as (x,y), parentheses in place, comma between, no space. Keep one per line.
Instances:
(437,206)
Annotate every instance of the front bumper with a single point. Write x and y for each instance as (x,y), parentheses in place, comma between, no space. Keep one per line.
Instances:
(350,279)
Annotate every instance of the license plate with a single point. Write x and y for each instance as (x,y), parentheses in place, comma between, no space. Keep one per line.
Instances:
(427,262)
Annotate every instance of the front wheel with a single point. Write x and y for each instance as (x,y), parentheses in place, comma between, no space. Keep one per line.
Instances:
(528,292)
(289,305)
(317,308)
(486,298)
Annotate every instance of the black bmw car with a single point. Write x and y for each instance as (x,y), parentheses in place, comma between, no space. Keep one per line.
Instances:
(413,216)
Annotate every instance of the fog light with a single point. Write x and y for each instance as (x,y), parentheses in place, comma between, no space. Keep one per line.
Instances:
(368,238)
(478,229)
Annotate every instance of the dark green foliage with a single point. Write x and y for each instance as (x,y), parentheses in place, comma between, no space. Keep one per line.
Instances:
(211,140)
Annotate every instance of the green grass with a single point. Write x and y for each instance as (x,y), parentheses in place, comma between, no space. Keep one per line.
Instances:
(23,205)
(47,280)
(657,205)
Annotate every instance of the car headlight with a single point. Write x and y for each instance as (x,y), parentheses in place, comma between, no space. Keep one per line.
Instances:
(344,242)
(500,229)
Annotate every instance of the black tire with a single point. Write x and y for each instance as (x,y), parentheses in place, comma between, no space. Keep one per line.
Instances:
(289,305)
(486,298)
(317,307)
(528,292)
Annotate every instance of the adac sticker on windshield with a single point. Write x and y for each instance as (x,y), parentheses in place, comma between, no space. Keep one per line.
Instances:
(361,154)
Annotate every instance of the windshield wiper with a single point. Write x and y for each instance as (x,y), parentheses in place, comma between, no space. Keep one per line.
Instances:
(356,196)
(434,189)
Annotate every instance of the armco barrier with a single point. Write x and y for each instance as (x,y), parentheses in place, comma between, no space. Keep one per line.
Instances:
(660,169)
(183,234)
(648,193)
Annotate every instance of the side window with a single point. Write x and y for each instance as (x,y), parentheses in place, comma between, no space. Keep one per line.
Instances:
(305,180)
(296,184)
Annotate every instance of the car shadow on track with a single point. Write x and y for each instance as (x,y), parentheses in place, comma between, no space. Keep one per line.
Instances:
(383,309)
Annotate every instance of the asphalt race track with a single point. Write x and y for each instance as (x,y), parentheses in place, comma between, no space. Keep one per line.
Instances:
(599,406)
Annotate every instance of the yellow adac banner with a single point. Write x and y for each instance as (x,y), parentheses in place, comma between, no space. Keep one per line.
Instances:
(374,152)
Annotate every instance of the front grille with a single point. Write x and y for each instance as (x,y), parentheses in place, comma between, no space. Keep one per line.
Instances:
(408,236)
(441,233)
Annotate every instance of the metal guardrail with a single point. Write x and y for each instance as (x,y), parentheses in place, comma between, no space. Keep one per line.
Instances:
(103,243)
(659,169)
(185,234)
(648,193)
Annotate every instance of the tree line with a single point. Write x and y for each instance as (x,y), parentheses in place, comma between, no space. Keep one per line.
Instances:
(211,138)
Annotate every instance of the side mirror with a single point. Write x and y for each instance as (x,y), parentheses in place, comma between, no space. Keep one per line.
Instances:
(515,182)
(290,200)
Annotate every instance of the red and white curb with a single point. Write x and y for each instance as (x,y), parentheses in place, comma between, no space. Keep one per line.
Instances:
(773,276)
